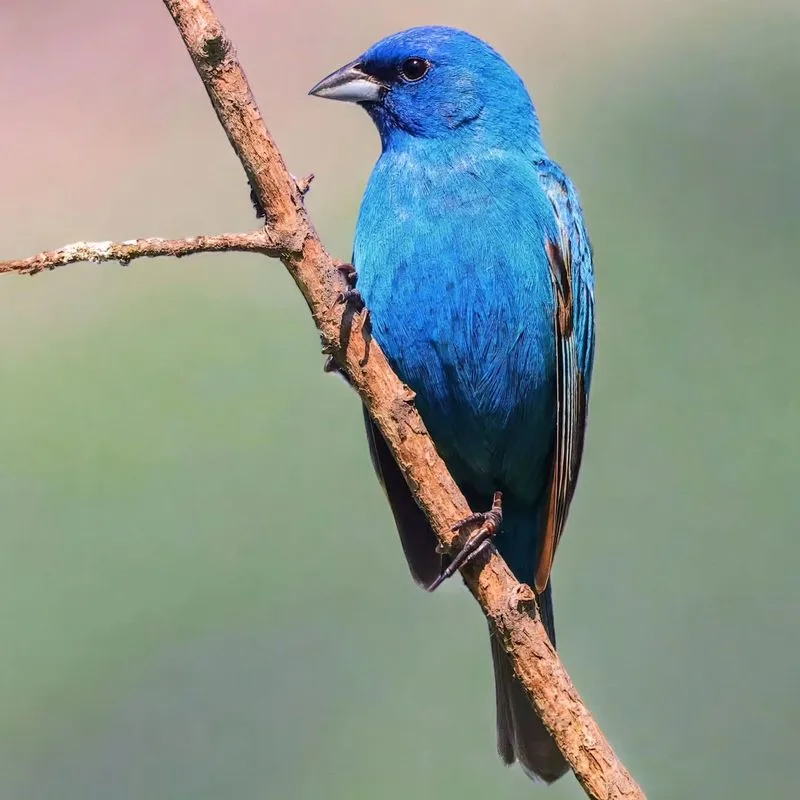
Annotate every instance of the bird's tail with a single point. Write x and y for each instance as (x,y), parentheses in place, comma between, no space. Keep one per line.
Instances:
(521,736)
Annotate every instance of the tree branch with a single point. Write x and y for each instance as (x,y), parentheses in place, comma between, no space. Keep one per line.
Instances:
(289,235)
(130,250)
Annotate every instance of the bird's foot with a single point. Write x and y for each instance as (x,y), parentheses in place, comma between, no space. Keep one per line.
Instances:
(477,541)
(348,272)
(354,304)
(350,295)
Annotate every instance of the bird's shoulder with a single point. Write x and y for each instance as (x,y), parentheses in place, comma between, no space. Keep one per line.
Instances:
(566,203)
(575,239)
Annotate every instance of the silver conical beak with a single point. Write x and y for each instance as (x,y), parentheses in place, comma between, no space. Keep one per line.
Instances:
(351,84)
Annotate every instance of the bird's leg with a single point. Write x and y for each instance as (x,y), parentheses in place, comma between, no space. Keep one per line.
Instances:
(477,541)
(350,294)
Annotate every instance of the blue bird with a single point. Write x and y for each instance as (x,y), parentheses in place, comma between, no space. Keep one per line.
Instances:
(473,259)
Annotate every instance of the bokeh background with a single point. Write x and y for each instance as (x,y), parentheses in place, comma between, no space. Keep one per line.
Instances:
(201,591)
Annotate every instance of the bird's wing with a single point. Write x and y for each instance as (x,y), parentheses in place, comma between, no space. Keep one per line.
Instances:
(416,535)
(573,285)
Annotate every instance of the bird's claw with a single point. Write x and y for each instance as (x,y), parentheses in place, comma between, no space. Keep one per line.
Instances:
(353,302)
(348,272)
(477,541)
(491,519)
(350,295)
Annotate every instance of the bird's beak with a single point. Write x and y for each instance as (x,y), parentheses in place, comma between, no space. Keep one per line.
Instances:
(351,84)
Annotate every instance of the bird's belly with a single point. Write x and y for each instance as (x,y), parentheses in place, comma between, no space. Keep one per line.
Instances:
(482,374)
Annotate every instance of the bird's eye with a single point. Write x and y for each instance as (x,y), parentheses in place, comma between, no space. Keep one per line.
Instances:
(414,69)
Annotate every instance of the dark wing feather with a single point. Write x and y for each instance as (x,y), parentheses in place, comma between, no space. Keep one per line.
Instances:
(571,399)
(418,539)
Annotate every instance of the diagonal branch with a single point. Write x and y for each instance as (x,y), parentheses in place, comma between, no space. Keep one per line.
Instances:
(289,235)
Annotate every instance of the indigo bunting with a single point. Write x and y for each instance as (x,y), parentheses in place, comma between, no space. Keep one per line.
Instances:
(473,259)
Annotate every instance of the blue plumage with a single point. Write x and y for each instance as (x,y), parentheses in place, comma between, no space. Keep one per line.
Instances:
(474,261)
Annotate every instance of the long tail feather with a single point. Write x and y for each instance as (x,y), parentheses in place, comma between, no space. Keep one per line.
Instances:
(521,736)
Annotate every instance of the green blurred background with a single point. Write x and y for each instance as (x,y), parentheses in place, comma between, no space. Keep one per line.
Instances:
(201,591)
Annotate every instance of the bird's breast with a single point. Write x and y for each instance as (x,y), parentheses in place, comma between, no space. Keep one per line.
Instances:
(458,285)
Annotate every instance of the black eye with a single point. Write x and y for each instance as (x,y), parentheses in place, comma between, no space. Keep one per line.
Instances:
(414,69)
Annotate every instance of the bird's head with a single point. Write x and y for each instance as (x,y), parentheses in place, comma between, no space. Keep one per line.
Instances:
(437,82)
